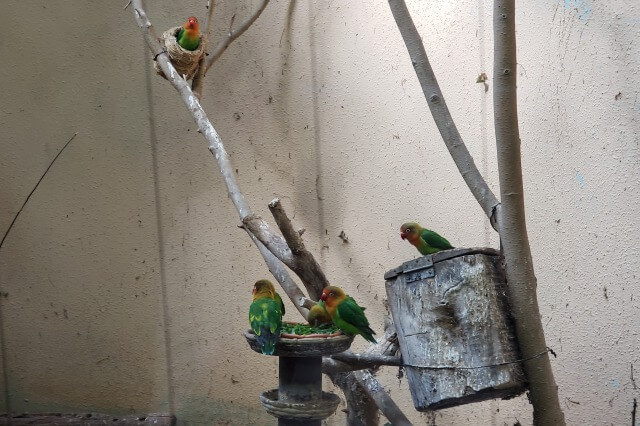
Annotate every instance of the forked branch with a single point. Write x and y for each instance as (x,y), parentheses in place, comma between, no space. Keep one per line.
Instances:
(232,35)
(265,236)
(273,247)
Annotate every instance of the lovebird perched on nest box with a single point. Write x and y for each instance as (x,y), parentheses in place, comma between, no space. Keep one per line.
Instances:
(189,35)
(346,314)
(425,240)
(318,315)
(265,315)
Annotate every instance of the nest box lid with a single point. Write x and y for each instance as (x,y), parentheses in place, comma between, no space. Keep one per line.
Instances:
(426,262)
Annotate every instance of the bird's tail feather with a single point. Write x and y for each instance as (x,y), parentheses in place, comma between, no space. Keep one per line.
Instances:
(268,340)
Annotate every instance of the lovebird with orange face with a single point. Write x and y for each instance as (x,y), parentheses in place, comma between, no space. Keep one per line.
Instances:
(318,315)
(189,35)
(425,240)
(265,315)
(346,314)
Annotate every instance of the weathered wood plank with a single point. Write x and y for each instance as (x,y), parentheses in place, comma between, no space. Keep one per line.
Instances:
(453,327)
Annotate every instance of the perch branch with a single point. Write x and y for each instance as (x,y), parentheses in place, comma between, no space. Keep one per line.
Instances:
(198,79)
(360,404)
(440,112)
(363,361)
(268,238)
(232,35)
(513,229)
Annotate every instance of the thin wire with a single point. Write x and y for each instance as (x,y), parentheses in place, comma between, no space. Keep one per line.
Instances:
(35,187)
(442,367)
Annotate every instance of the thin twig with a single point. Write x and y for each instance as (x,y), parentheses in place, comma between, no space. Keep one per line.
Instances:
(440,112)
(232,35)
(36,187)
(198,79)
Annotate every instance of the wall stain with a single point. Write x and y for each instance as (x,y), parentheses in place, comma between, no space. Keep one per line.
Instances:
(582,7)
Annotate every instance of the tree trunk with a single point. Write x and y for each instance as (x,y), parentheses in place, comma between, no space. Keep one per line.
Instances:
(513,229)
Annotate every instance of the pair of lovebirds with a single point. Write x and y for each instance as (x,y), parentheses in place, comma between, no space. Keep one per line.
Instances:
(267,309)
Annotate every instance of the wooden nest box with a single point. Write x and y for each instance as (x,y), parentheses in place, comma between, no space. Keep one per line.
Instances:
(454,327)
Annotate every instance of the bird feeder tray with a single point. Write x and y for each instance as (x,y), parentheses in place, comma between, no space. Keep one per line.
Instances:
(305,345)
(184,61)
(454,327)
(299,398)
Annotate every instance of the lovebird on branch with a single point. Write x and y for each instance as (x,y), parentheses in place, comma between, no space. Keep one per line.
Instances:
(189,35)
(265,315)
(318,315)
(425,240)
(346,314)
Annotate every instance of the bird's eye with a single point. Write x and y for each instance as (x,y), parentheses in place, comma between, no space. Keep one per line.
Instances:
(331,294)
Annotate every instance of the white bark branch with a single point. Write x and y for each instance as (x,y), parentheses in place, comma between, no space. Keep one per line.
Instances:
(440,112)
(272,247)
(217,149)
(277,269)
(232,35)
(513,229)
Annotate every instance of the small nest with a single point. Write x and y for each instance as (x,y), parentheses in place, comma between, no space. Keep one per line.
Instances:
(184,61)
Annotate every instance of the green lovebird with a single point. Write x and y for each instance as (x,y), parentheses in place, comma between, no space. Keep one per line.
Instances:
(346,314)
(425,240)
(189,35)
(265,315)
(318,315)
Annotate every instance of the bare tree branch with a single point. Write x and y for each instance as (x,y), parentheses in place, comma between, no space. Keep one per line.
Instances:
(290,250)
(363,361)
(198,79)
(374,389)
(440,112)
(268,238)
(513,229)
(272,247)
(291,236)
(277,269)
(232,35)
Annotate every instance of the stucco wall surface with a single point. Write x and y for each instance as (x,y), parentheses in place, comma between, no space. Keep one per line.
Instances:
(125,282)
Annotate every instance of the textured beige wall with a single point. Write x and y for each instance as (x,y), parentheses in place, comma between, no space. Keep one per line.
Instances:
(127,280)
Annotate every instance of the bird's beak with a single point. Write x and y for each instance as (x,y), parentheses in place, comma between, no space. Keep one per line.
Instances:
(253,291)
(403,235)
(323,297)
